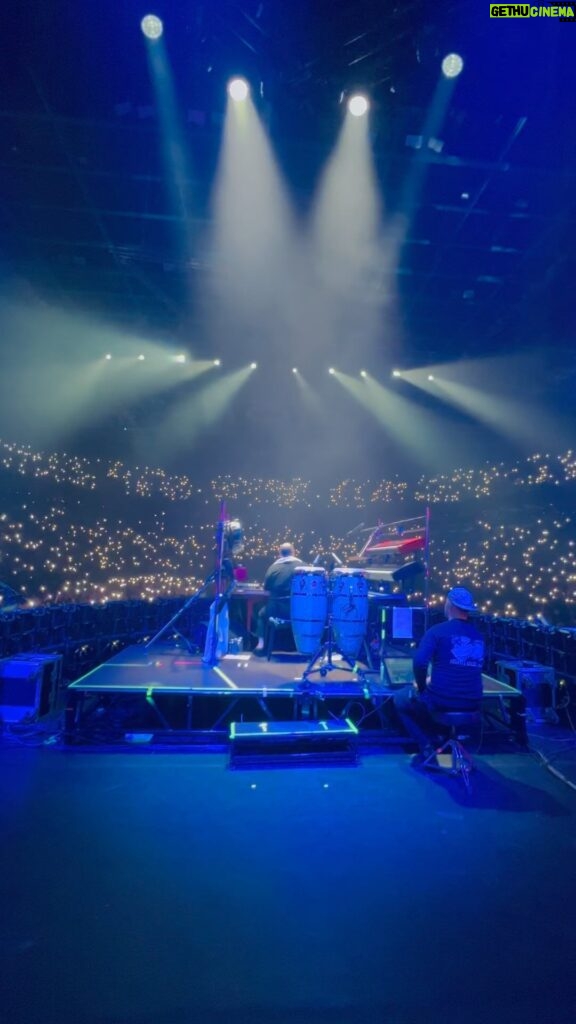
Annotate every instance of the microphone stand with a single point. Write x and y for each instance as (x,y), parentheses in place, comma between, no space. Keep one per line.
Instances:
(187,604)
(221,599)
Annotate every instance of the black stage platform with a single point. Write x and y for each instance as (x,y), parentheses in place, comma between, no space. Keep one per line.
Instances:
(167,694)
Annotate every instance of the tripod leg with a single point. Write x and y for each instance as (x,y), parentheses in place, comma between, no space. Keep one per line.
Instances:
(187,604)
(168,626)
(316,657)
(355,667)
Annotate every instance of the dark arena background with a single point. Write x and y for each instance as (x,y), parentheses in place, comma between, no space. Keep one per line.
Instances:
(285,272)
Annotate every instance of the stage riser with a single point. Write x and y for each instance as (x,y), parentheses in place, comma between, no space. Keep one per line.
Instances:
(186,719)
(118,714)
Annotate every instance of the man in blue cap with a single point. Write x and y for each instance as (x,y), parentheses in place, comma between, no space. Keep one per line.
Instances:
(455,651)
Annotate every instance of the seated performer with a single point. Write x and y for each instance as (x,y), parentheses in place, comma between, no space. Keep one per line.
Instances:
(278,583)
(455,649)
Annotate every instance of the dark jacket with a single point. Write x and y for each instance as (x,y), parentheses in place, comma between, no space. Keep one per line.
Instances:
(455,649)
(278,579)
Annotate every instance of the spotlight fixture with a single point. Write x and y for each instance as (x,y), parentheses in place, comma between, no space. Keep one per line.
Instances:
(152,26)
(358,105)
(452,65)
(294,369)
(238,89)
(431,376)
(396,373)
(217,362)
(331,370)
(253,366)
(363,373)
(108,355)
(181,358)
(141,358)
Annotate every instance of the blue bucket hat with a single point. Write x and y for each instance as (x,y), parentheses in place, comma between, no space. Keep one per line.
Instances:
(461,598)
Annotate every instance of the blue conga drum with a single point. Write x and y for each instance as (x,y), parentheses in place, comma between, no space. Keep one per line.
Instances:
(349,610)
(308,607)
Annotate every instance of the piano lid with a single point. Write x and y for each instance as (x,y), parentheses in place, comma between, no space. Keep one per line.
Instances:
(405,546)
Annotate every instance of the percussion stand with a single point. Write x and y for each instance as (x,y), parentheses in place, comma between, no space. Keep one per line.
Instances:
(323,657)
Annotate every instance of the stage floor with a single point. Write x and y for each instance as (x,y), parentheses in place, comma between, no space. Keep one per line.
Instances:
(173,670)
(170,670)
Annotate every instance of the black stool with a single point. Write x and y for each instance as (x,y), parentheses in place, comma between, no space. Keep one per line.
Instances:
(461,762)
(275,625)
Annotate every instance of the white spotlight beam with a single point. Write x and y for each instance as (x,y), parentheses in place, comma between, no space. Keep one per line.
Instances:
(309,398)
(431,129)
(175,148)
(349,256)
(412,427)
(523,422)
(520,421)
(252,237)
(358,105)
(452,65)
(152,26)
(62,381)
(197,412)
(238,90)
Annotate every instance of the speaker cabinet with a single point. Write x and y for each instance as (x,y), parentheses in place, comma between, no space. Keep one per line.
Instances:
(29,686)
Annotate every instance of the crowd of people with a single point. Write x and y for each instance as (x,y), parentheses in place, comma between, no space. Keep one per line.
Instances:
(79,529)
(145,481)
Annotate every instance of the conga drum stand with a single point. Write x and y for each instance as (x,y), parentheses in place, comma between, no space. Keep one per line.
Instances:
(322,661)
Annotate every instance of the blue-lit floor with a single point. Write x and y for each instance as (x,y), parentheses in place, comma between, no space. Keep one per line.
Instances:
(165,889)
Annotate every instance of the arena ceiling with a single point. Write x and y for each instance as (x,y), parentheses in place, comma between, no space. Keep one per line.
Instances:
(87,220)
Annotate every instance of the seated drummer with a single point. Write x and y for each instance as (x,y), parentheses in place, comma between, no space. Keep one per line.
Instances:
(278,583)
(455,651)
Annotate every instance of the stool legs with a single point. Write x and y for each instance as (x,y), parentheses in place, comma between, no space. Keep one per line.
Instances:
(461,762)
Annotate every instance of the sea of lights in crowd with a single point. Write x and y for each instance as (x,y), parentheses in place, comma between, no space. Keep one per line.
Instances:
(75,529)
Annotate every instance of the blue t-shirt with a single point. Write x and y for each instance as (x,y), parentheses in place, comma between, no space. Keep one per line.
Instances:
(455,649)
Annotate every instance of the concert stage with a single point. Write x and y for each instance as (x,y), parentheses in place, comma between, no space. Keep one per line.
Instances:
(166,695)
